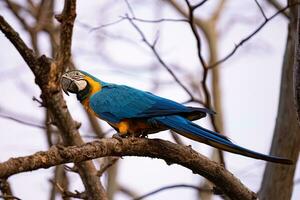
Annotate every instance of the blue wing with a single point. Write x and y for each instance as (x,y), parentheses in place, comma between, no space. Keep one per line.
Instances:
(116,102)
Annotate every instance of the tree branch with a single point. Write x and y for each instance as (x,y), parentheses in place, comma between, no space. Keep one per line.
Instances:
(261,10)
(173,153)
(176,186)
(237,46)
(21,121)
(5,190)
(47,75)
(66,19)
(107,165)
(278,6)
(27,54)
(296,71)
(161,61)
(277,180)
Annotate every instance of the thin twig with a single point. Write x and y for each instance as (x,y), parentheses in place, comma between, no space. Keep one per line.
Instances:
(129,8)
(154,20)
(250,36)
(107,165)
(127,191)
(6,197)
(278,6)
(27,54)
(64,193)
(173,187)
(176,138)
(161,61)
(261,9)
(22,121)
(201,59)
(101,26)
(194,7)
(122,18)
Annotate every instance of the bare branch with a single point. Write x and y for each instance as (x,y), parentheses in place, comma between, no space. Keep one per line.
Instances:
(278,6)
(22,121)
(129,8)
(15,8)
(176,186)
(122,18)
(173,153)
(67,21)
(261,9)
(127,191)
(9,197)
(296,69)
(176,138)
(65,193)
(102,26)
(47,77)
(154,20)
(201,59)
(277,182)
(237,46)
(107,165)
(6,190)
(198,4)
(161,61)
(27,54)
(197,37)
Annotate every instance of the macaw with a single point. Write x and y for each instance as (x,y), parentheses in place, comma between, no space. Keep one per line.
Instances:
(134,112)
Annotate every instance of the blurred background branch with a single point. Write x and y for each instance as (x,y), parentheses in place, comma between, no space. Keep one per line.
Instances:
(171,30)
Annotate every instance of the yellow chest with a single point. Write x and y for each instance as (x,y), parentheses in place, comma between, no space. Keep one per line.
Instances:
(95,87)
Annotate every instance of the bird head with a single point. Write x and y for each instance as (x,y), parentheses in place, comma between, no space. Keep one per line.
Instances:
(74,82)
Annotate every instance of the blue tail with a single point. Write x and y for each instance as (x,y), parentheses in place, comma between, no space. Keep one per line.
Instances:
(197,133)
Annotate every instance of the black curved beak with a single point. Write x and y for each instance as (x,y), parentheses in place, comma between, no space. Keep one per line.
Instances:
(68,84)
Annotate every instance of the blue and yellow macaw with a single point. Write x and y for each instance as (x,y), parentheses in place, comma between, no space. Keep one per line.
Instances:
(134,112)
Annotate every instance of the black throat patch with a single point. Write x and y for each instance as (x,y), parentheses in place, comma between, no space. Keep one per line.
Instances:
(82,95)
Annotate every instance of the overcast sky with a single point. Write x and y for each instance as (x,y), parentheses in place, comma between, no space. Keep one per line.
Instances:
(250,83)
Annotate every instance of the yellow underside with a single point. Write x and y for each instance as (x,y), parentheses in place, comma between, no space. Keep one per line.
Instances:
(95,87)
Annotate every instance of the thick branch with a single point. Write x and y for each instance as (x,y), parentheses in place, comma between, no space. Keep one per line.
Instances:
(27,54)
(297,65)
(277,181)
(67,19)
(46,73)
(278,6)
(172,153)
(5,190)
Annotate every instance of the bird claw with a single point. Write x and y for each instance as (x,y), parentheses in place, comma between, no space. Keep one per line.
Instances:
(118,137)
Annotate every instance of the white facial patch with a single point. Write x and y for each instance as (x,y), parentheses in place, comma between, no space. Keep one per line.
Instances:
(81,84)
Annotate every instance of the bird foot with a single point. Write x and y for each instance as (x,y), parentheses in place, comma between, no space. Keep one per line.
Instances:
(118,137)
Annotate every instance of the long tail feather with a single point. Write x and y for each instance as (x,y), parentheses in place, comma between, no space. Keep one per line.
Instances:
(197,133)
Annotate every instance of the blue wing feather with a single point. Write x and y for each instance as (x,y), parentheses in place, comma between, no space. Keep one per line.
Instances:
(195,132)
(116,102)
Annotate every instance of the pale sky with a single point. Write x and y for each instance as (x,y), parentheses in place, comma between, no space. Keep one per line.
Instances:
(250,83)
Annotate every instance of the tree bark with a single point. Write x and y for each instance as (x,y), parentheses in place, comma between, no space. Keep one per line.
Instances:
(46,73)
(224,181)
(278,179)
